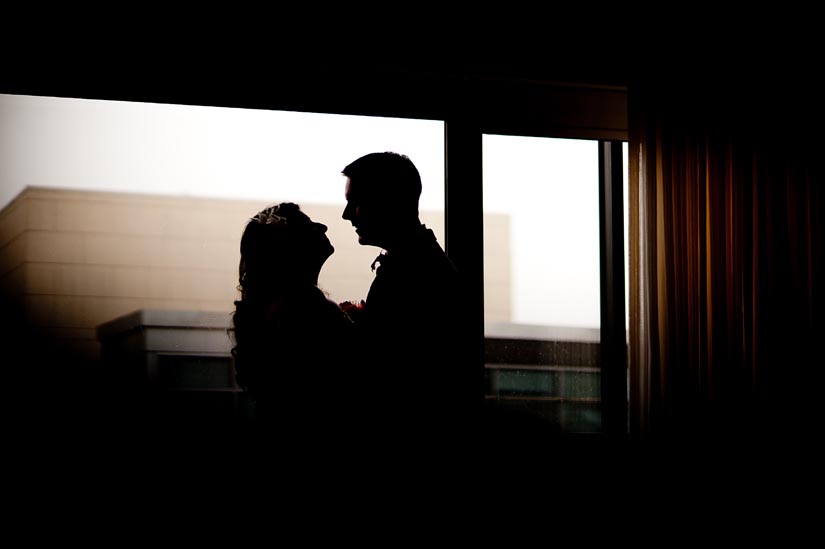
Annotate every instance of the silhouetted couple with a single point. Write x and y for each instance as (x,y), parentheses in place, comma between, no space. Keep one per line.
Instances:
(395,367)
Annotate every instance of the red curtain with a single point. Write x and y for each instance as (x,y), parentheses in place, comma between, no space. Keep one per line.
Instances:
(726,245)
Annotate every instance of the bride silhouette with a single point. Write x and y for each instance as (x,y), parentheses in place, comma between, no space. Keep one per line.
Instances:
(291,342)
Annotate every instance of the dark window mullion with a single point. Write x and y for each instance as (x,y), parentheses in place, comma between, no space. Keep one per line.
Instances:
(612,266)
(464,228)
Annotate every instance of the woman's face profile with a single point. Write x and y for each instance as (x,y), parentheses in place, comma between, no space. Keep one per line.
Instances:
(313,235)
(283,243)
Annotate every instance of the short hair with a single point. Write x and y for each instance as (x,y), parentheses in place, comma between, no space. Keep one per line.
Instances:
(386,175)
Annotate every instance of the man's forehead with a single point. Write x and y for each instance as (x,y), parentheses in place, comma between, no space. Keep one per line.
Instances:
(351,188)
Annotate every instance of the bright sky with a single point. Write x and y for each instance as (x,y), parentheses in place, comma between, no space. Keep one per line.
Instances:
(202,151)
(551,188)
(548,186)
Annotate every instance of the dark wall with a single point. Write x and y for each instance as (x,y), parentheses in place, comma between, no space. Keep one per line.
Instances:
(513,91)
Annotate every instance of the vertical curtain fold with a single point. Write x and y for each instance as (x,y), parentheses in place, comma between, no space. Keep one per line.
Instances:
(726,270)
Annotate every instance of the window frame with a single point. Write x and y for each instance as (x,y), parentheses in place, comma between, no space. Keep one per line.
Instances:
(465,243)
(469,106)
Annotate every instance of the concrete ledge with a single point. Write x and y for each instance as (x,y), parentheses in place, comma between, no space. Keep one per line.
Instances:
(160,318)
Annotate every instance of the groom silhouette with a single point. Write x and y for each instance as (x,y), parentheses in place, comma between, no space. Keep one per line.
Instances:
(413,313)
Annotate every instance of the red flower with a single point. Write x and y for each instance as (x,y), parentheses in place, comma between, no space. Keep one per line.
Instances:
(353,310)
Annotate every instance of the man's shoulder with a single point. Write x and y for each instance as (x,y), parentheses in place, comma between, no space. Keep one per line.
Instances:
(428,251)
(424,265)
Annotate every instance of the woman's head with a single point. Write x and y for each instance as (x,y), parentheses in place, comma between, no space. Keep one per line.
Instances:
(281,246)
(282,251)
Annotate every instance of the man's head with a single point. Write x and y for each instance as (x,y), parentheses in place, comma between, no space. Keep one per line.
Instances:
(382,193)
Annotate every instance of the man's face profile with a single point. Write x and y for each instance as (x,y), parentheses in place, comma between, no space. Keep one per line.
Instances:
(358,212)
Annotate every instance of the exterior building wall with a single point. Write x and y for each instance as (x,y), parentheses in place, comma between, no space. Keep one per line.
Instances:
(73,260)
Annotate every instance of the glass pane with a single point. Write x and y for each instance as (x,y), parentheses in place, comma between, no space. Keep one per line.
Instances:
(140,207)
(541,285)
(239,157)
